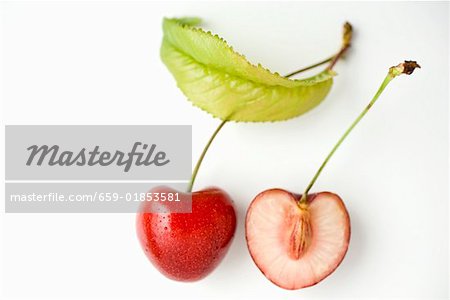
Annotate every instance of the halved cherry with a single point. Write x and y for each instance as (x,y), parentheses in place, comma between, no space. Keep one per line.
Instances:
(297,241)
(294,245)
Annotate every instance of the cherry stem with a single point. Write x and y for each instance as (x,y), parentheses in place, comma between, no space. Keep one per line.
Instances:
(310,67)
(211,139)
(202,156)
(346,39)
(346,43)
(404,68)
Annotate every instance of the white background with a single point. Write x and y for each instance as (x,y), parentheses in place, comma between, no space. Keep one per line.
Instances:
(98,63)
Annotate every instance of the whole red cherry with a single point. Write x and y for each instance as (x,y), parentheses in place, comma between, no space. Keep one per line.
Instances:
(188,246)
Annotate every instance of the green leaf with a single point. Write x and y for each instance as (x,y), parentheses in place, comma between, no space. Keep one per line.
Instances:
(225,84)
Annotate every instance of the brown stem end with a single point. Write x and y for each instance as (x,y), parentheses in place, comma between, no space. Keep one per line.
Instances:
(347,36)
(407,67)
(346,43)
